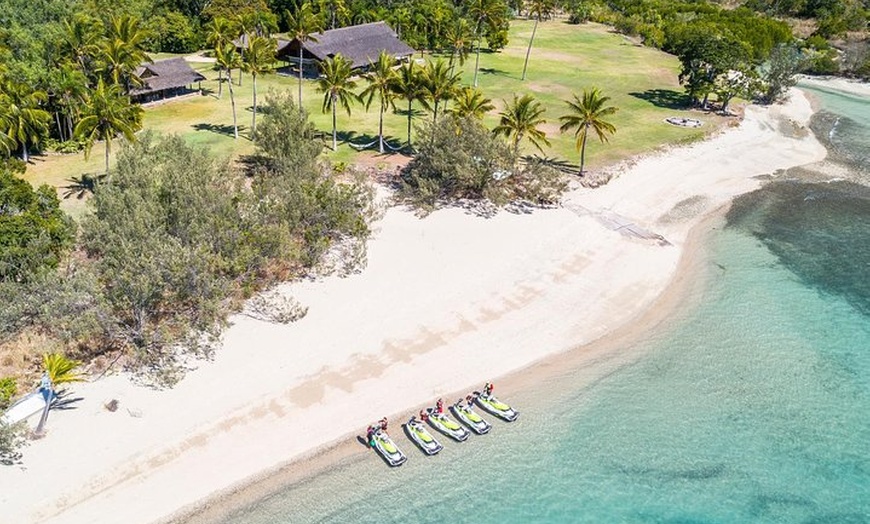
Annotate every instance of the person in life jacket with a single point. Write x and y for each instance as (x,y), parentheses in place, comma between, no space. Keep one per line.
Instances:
(439,406)
(424,416)
(383,424)
(488,388)
(469,401)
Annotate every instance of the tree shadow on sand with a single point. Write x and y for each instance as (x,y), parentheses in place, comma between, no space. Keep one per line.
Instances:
(665,98)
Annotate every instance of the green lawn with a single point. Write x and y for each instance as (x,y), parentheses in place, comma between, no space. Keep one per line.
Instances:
(641,81)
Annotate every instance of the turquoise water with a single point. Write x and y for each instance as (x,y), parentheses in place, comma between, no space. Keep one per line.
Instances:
(752,406)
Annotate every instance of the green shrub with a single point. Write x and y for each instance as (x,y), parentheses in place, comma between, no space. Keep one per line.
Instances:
(8,390)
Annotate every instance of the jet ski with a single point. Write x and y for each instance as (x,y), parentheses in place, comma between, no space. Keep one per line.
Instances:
(466,414)
(385,446)
(444,424)
(493,405)
(418,433)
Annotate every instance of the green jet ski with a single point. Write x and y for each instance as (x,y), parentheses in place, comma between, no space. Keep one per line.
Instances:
(386,448)
(496,407)
(418,433)
(444,424)
(465,413)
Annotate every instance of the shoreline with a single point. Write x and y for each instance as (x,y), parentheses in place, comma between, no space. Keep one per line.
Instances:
(682,293)
(491,293)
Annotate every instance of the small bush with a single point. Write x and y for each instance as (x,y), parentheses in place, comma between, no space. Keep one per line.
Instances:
(8,390)
(12,439)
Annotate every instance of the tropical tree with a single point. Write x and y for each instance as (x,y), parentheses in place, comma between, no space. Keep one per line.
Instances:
(228,58)
(520,119)
(538,9)
(69,86)
(337,87)
(438,85)
(26,122)
(108,113)
(485,14)
(123,51)
(258,61)
(380,78)
(459,37)
(220,32)
(79,40)
(301,26)
(470,102)
(57,369)
(407,84)
(585,112)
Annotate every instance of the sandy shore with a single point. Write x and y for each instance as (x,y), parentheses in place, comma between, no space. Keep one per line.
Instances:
(446,302)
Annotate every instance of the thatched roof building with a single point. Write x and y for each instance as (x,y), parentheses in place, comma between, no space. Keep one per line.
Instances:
(359,43)
(165,79)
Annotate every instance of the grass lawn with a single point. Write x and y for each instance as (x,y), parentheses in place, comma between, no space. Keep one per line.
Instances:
(641,81)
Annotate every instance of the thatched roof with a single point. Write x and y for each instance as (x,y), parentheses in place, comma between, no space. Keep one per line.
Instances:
(165,74)
(359,43)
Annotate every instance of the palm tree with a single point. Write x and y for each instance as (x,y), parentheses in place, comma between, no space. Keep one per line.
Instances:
(6,142)
(470,102)
(380,78)
(337,87)
(219,32)
(258,61)
(79,40)
(108,113)
(520,119)
(406,84)
(300,27)
(459,37)
(488,12)
(124,50)
(228,58)
(57,369)
(69,86)
(438,84)
(537,9)
(26,122)
(585,112)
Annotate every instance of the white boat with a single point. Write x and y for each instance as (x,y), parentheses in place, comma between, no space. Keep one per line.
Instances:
(418,433)
(496,407)
(445,425)
(466,415)
(386,448)
(25,408)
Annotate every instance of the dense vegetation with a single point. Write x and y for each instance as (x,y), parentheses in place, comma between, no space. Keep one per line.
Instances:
(176,238)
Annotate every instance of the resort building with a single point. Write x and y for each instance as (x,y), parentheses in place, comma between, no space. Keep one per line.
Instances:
(360,44)
(165,79)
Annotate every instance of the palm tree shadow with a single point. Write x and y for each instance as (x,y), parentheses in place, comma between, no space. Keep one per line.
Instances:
(665,98)
(221,129)
(558,164)
(362,141)
(63,402)
(494,71)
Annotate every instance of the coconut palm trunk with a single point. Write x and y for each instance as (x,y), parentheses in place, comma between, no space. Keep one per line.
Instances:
(233,103)
(300,76)
(529,50)
(410,108)
(108,152)
(476,61)
(254,117)
(334,128)
(381,129)
(220,82)
(25,155)
(583,148)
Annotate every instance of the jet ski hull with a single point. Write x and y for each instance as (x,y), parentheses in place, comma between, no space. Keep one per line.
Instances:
(429,447)
(388,450)
(474,422)
(443,424)
(495,407)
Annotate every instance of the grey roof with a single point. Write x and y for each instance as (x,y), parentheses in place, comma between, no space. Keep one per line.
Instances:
(359,43)
(165,74)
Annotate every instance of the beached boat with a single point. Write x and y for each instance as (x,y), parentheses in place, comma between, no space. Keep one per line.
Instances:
(418,434)
(498,408)
(467,415)
(385,446)
(445,425)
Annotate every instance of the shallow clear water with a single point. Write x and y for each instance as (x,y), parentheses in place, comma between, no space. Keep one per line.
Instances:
(752,406)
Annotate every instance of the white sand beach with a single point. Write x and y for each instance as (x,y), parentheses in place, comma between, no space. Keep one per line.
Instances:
(446,302)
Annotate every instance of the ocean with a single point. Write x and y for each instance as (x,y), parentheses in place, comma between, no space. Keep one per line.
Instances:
(752,403)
